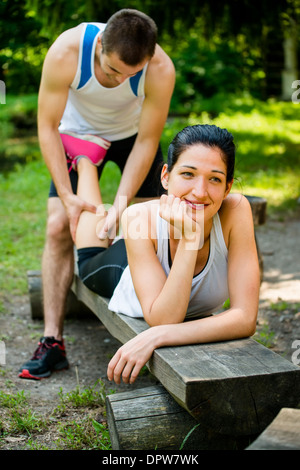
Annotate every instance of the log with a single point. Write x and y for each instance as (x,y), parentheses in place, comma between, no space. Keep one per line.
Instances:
(282,434)
(259,209)
(259,214)
(149,419)
(236,387)
(145,419)
(74,308)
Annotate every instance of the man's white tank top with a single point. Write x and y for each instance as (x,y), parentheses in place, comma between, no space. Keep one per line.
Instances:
(111,113)
(209,288)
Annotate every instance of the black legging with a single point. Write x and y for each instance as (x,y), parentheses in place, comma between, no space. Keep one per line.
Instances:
(100,269)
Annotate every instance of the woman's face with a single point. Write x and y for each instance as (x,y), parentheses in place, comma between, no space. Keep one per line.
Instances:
(199,179)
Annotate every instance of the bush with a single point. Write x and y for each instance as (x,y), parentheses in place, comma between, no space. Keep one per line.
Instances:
(206,66)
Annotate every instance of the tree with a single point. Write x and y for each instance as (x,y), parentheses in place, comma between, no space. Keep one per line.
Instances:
(19,37)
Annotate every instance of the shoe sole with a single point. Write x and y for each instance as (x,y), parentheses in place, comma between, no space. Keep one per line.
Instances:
(25,374)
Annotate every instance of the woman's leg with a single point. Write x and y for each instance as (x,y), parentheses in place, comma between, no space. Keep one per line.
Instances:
(88,189)
(100,269)
(100,266)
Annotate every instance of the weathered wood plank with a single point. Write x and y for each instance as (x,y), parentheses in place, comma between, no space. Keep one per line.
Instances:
(231,385)
(149,418)
(146,419)
(237,387)
(282,434)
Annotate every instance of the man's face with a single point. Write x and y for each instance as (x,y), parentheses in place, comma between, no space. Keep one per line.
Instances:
(116,70)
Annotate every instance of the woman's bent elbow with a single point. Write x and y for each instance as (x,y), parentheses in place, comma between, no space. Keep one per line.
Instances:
(250,326)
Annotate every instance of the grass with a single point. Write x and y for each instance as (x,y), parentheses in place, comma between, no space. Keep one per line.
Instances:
(72,425)
(16,417)
(265,336)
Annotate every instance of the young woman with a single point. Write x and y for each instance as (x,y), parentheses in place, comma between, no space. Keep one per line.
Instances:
(186,253)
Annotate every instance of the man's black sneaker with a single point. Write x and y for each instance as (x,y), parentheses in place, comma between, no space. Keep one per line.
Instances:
(49,356)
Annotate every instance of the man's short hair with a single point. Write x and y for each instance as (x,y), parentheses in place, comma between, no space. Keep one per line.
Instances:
(131,34)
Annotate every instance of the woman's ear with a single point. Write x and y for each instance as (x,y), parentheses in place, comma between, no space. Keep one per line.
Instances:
(228,188)
(164,177)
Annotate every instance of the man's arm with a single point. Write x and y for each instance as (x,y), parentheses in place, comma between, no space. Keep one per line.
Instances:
(159,86)
(58,72)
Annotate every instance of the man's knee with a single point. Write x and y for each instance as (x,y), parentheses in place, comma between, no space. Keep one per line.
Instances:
(58,228)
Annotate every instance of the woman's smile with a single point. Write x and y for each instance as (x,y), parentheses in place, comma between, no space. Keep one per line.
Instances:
(195,205)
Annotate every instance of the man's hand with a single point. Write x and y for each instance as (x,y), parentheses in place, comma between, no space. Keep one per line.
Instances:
(74,206)
(109,228)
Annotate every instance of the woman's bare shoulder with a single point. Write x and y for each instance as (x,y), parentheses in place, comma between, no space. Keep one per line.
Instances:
(234,203)
(235,212)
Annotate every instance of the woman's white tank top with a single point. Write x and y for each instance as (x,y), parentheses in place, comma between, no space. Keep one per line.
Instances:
(111,113)
(209,288)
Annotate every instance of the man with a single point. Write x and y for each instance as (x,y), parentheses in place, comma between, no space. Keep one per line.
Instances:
(106,87)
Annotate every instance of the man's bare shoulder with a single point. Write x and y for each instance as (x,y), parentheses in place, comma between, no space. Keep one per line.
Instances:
(161,65)
(62,56)
(66,46)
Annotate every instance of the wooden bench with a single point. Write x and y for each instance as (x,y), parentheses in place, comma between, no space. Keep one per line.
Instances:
(232,389)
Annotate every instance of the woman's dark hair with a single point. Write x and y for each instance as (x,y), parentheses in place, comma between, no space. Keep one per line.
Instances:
(208,135)
(131,34)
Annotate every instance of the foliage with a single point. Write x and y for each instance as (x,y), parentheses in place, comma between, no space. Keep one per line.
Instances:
(22,46)
(87,434)
(17,119)
(22,223)
(215,47)
(206,66)
(265,336)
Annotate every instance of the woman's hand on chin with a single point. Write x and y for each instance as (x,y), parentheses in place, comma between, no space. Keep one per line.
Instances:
(179,215)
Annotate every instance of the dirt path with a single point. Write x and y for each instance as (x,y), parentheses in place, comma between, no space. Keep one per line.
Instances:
(280,289)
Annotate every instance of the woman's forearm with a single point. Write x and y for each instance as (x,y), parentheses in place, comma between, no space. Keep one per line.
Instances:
(133,355)
(170,306)
(231,324)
